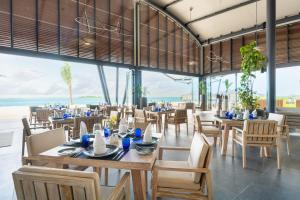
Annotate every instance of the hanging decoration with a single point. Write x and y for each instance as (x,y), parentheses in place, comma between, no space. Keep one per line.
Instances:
(92,24)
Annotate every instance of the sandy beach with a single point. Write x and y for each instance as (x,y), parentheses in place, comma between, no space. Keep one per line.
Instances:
(14,112)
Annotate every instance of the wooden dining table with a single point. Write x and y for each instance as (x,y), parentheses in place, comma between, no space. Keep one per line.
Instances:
(159,116)
(58,123)
(227,124)
(137,164)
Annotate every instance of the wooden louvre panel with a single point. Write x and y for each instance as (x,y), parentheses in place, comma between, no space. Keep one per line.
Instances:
(206,58)
(261,41)
(128,30)
(144,36)
(115,37)
(48,29)
(185,52)
(226,55)
(248,38)
(86,30)
(162,41)
(171,46)
(5,39)
(197,58)
(24,25)
(294,42)
(153,21)
(236,55)
(281,45)
(102,36)
(192,62)
(68,28)
(178,46)
(215,55)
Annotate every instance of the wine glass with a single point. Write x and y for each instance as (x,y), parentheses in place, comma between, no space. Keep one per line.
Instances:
(97,128)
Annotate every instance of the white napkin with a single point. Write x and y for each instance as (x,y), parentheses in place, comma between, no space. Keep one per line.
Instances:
(148,134)
(99,144)
(83,129)
(123,126)
(96,112)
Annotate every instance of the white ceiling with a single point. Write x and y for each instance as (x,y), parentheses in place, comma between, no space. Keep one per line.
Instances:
(231,21)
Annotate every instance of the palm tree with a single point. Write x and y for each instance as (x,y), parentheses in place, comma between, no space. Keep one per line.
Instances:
(66,75)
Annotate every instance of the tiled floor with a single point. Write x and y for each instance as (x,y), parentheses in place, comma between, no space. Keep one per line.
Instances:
(261,180)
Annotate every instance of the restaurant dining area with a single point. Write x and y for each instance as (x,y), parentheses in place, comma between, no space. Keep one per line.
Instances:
(149,99)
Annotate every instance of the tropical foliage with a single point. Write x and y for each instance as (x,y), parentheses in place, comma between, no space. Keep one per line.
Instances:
(66,75)
(252,60)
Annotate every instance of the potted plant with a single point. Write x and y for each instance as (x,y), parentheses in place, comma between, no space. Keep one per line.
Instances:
(141,93)
(252,60)
(226,96)
(202,87)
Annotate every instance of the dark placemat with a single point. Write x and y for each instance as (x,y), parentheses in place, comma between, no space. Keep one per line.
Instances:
(114,157)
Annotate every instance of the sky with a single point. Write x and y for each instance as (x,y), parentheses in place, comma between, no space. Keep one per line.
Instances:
(36,77)
(27,77)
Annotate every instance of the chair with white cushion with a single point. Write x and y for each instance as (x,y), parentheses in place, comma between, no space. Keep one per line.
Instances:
(190,179)
(282,128)
(208,128)
(49,183)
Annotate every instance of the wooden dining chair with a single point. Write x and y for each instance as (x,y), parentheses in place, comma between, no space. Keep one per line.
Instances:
(42,117)
(49,183)
(180,117)
(89,121)
(32,116)
(208,128)
(282,128)
(190,179)
(257,133)
(140,116)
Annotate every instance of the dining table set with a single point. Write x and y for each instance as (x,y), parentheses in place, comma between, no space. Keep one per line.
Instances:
(129,152)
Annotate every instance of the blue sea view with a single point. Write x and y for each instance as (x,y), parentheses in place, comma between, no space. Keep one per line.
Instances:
(63,101)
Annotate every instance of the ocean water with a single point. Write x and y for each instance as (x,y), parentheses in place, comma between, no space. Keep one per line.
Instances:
(64,101)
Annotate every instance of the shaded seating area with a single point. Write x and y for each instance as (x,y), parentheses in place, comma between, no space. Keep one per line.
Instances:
(150,99)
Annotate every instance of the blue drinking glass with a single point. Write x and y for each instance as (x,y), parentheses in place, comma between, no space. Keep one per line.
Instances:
(230,116)
(126,143)
(251,116)
(227,115)
(85,140)
(66,115)
(138,132)
(88,113)
(106,132)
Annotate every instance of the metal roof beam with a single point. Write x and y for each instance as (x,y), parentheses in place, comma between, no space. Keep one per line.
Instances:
(171,3)
(221,11)
(279,22)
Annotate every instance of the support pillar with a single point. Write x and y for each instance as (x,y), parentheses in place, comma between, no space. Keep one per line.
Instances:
(103,84)
(271,47)
(136,82)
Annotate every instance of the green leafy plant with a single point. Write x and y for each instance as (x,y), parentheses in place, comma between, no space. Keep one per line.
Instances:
(202,87)
(66,75)
(227,86)
(141,91)
(252,60)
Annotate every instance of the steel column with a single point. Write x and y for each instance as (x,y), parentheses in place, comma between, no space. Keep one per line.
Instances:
(117,85)
(137,82)
(271,46)
(103,84)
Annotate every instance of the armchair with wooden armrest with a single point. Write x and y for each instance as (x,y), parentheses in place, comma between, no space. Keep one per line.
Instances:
(208,128)
(49,183)
(257,133)
(282,128)
(189,179)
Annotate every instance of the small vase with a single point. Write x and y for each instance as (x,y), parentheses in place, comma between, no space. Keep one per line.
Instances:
(99,144)
(114,140)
